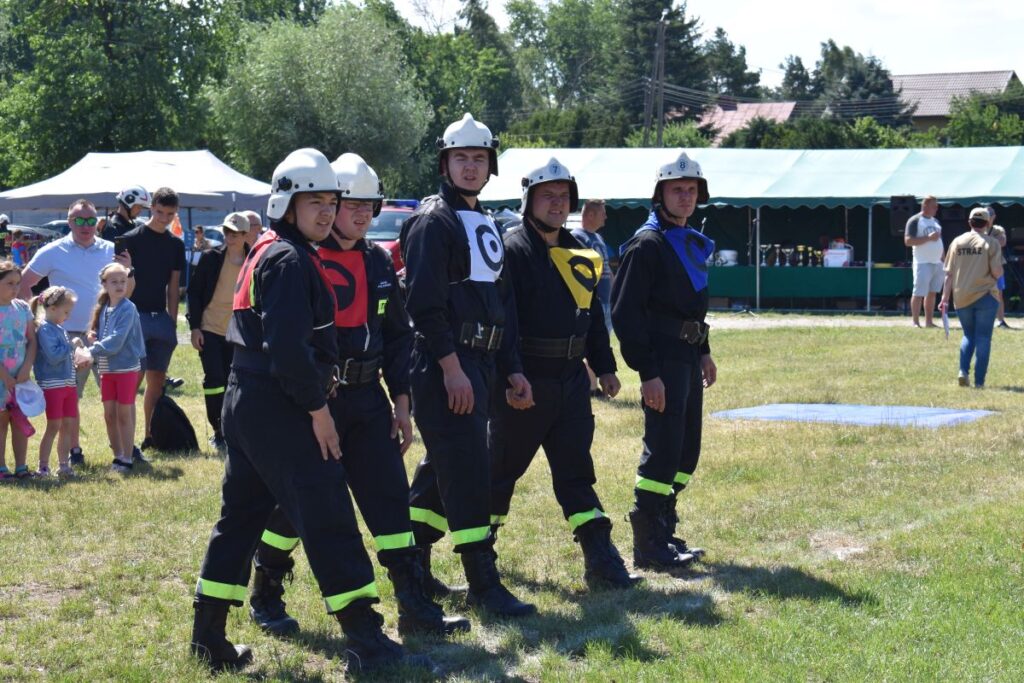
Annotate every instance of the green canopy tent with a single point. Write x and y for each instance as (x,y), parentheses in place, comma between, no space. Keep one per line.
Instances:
(759,179)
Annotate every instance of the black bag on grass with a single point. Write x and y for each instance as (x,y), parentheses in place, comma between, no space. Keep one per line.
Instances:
(170,429)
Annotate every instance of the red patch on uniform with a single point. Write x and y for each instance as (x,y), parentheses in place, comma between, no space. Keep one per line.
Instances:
(346,271)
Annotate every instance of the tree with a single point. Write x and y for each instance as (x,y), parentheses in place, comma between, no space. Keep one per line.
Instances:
(973,123)
(104,75)
(852,85)
(488,70)
(796,82)
(340,85)
(675,134)
(727,67)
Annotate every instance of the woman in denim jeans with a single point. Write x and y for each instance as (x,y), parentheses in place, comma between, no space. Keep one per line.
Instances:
(973,265)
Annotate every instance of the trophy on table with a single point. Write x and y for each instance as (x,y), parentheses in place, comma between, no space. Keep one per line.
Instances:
(799,254)
(764,255)
(788,252)
(778,254)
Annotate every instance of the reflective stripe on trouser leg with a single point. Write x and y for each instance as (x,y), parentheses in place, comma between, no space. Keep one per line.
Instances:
(430,518)
(394,541)
(498,520)
(221,591)
(474,535)
(280,542)
(336,603)
(213,391)
(580,518)
(658,487)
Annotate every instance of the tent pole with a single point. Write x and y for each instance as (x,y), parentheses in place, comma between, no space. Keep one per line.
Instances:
(869,263)
(757,268)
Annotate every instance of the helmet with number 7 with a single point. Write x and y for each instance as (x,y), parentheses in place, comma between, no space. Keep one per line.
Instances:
(357,180)
(682,167)
(304,170)
(551,172)
(467,133)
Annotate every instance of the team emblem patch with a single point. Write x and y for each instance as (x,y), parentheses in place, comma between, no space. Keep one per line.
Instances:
(580,270)
(486,252)
(346,271)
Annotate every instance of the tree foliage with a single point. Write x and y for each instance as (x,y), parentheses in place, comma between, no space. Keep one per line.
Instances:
(675,134)
(727,67)
(340,85)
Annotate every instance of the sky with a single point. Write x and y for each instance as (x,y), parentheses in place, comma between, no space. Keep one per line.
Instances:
(908,37)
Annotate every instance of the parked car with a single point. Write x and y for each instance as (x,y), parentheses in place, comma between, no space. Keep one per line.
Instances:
(385,228)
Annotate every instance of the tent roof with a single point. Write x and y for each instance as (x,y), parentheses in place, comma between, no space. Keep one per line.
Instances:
(201,180)
(782,177)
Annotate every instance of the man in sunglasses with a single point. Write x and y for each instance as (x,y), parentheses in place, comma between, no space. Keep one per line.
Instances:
(75,261)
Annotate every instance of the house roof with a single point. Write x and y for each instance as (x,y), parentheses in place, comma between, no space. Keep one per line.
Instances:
(733,117)
(933,93)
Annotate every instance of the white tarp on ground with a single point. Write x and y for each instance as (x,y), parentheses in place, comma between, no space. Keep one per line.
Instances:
(201,180)
(782,177)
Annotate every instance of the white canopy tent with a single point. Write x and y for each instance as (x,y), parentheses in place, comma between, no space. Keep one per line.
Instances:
(201,180)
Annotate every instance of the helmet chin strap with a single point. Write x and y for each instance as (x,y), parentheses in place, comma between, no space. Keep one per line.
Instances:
(541,225)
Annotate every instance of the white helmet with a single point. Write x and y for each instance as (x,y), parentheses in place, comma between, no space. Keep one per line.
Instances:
(357,180)
(682,167)
(467,133)
(304,170)
(553,171)
(135,195)
(4,219)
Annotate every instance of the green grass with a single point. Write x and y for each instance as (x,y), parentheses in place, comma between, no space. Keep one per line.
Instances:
(835,553)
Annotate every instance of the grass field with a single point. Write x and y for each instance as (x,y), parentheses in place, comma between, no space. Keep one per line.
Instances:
(835,553)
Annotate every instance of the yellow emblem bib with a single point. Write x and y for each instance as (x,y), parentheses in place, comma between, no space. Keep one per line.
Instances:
(581,271)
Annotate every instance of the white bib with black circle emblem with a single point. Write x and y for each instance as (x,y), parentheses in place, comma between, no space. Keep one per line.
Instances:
(486,252)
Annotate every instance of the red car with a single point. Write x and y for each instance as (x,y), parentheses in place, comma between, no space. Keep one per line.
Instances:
(385,230)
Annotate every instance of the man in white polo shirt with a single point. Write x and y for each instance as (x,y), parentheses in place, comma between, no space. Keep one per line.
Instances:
(74,261)
(924,235)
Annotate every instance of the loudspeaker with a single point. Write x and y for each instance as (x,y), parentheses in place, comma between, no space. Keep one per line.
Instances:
(901,208)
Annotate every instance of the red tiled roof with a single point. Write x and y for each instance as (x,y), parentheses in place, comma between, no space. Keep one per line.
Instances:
(933,93)
(733,118)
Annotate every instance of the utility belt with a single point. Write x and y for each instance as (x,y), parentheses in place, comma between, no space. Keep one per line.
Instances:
(353,372)
(259,363)
(689,331)
(480,337)
(542,347)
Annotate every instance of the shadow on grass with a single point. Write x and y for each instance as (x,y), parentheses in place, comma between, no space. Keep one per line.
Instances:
(781,582)
(1015,390)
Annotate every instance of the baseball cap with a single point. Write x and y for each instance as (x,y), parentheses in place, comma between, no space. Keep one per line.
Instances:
(980,213)
(236,222)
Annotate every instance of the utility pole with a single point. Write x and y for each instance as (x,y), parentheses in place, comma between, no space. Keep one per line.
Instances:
(661,74)
(655,89)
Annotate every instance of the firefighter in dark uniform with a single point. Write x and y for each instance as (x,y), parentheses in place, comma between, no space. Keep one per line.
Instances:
(659,302)
(560,322)
(282,445)
(464,317)
(374,335)
(130,202)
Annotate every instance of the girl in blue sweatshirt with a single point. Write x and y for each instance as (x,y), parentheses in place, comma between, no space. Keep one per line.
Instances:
(55,374)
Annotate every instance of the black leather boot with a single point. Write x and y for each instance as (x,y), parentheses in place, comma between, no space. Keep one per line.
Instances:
(432,586)
(651,549)
(209,640)
(671,520)
(485,588)
(416,612)
(603,566)
(266,606)
(367,647)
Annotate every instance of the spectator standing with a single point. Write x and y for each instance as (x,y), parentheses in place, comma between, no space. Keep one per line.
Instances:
(593,218)
(130,202)
(115,337)
(924,235)
(999,233)
(74,262)
(17,354)
(199,243)
(19,250)
(55,374)
(973,266)
(4,222)
(209,311)
(159,259)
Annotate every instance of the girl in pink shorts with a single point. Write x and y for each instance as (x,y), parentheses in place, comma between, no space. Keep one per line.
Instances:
(55,373)
(115,335)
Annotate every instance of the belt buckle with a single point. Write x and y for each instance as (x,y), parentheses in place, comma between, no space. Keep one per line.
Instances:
(336,380)
(568,348)
(686,332)
(478,337)
(343,373)
(491,346)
